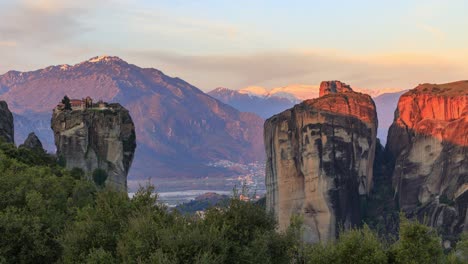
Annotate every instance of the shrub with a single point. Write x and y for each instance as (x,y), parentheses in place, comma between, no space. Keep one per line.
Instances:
(418,244)
(77,173)
(99,177)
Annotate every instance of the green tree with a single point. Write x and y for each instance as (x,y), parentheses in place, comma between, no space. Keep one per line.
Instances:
(66,103)
(77,173)
(36,202)
(418,244)
(353,246)
(321,253)
(141,239)
(459,254)
(100,256)
(243,224)
(462,247)
(360,246)
(95,227)
(99,177)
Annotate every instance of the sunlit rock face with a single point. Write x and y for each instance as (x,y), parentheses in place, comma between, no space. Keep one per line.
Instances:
(96,138)
(331,87)
(429,143)
(319,160)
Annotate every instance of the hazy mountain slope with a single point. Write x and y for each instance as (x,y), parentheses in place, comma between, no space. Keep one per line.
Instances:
(179,128)
(264,106)
(386,105)
(39,123)
(306,91)
(292,92)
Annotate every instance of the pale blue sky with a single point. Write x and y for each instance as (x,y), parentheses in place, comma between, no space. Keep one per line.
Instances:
(371,44)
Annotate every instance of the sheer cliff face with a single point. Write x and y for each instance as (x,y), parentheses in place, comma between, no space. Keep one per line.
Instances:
(319,160)
(91,139)
(429,142)
(6,123)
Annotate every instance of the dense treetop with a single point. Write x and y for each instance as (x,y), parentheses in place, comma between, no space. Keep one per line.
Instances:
(51,215)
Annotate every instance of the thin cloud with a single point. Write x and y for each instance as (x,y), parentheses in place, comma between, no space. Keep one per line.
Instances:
(173,24)
(283,68)
(433,31)
(43,22)
(7,43)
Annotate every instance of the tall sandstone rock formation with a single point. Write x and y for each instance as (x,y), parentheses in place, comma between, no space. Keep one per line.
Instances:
(319,160)
(6,123)
(429,143)
(96,138)
(181,130)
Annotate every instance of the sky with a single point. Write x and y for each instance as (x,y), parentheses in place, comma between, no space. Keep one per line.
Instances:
(222,43)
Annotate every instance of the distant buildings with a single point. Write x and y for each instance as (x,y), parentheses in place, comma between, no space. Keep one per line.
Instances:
(244,198)
(84,103)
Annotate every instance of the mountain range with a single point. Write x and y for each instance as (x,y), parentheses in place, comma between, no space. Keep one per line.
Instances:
(303,92)
(181,131)
(266,103)
(179,128)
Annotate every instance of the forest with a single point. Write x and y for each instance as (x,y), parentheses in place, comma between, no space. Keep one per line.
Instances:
(51,215)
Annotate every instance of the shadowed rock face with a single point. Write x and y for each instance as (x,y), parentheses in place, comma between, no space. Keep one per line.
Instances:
(320,159)
(6,123)
(32,142)
(429,143)
(91,139)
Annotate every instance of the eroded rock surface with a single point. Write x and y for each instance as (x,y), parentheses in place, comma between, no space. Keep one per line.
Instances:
(320,157)
(96,138)
(331,87)
(429,143)
(6,123)
(32,142)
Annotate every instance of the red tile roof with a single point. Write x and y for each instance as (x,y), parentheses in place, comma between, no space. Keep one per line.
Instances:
(75,102)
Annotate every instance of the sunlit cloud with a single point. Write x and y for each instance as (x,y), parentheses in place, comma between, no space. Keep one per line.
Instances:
(222,49)
(283,68)
(7,44)
(58,5)
(44,22)
(157,21)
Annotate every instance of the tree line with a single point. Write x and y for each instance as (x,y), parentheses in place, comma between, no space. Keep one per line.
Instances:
(51,215)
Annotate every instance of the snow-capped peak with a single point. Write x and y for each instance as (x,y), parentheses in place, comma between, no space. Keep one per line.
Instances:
(295,92)
(377,92)
(254,90)
(64,67)
(104,58)
(222,89)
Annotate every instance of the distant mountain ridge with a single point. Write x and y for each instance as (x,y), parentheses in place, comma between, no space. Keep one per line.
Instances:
(293,92)
(386,104)
(303,92)
(265,103)
(264,106)
(179,128)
